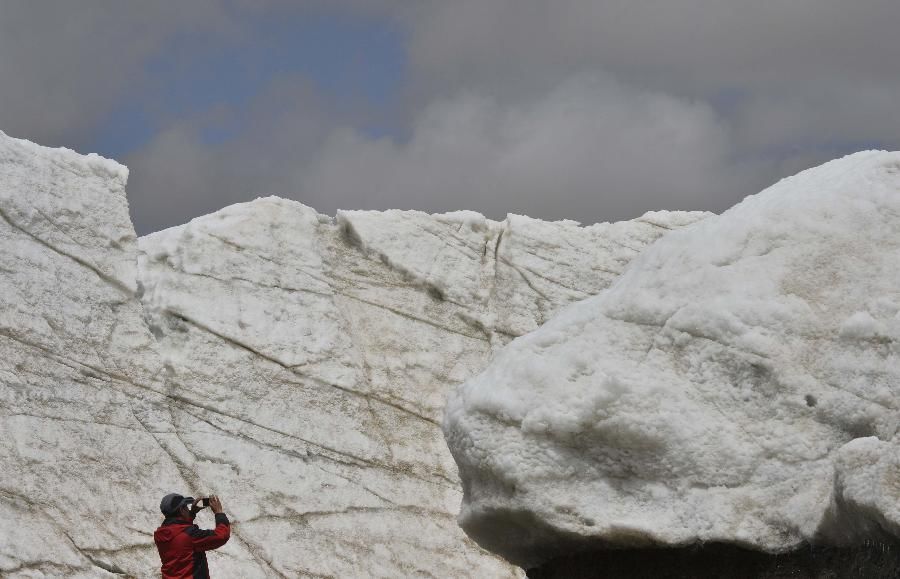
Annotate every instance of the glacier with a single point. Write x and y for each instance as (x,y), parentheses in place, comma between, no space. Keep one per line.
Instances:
(296,364)
(736,385)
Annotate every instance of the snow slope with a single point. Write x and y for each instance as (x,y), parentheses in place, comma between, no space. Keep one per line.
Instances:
(738,383)
(294,363)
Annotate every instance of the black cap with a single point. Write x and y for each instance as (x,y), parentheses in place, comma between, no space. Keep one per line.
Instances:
(170,503)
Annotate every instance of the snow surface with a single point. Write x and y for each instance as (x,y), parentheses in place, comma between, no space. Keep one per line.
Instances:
(78,367)
(737,383)
(293,363)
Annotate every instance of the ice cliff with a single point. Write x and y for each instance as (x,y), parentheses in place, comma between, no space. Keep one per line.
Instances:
(296,364)
(738,384)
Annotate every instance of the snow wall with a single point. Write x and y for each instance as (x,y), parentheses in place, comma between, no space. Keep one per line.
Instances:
(293,363)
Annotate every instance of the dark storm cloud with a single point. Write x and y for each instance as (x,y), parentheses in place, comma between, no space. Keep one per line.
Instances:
(692,46)
(807,71)
(584,109)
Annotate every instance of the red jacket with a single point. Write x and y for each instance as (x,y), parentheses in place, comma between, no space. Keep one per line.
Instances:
(182,546)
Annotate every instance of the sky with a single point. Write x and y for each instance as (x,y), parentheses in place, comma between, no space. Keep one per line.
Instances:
(592,110)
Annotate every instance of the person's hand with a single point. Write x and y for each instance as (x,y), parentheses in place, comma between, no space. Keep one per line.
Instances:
(215,504)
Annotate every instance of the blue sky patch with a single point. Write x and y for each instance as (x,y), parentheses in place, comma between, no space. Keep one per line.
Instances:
(350,60)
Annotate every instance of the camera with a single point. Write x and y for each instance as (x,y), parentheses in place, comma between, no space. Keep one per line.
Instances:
(203,503)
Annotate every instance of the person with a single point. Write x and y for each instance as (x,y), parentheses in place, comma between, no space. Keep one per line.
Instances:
(182,545)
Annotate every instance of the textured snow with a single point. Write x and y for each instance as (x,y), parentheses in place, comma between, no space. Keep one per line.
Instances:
(338,340)
(293,363)
(737,383)
(78,371)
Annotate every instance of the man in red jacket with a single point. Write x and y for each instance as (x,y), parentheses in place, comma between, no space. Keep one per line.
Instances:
(182,545)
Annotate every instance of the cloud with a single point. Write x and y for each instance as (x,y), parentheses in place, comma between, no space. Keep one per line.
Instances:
(822,114)
(198,165)
(64,65)
(585,109)
(572,109)
(826,67)
(592,149)
(686,44)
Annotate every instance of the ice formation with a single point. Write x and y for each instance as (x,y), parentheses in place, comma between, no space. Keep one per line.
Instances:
(737,384)
(296,364)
